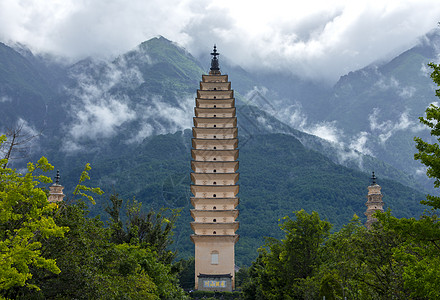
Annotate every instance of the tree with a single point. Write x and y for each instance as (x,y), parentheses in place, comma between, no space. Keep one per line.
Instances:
(360,263)
(93,267)
(149,230)
(16,145)
(429,154)
(285,267)
(25,219)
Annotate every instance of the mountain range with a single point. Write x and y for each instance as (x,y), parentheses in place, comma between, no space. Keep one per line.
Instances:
(303,144)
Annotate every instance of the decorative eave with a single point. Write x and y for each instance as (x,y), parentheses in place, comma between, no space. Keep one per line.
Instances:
(215,226)
(215,78)
(214,164)
(217,177)
(218,86)
(215,201)
(210,122)
(201,143)
(220,154)
(219,94)
(217,238)
(215,112)
(215,189)
(217,132)
(214,213)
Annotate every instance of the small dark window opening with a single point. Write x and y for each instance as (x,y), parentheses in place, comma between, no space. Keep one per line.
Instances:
(214,207)
(215,116)
(215,106)
(214,182)
(214,195)
(215,171)
(214,232)
(214,220)
(215,125)
(215,136)
(215,148)
(215,89)
(215,158)
(215,97)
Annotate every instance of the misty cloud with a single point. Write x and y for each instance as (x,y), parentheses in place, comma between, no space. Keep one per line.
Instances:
(4,99)
(158,117)
(391,83)
(100,110)
(96,112)
(359,143)
(385,129)
(315,39)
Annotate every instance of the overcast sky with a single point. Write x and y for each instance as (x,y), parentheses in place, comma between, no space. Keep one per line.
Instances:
(319,39)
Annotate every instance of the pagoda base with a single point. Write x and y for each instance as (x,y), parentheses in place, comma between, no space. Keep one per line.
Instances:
(215,282)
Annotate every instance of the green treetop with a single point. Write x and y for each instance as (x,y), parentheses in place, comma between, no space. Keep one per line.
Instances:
(25,219)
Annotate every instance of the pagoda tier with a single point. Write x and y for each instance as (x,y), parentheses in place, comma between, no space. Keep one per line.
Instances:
(215,78)
(215,94)
(215,133)
(225,144)
(214,112)
(214,166)
(214,203)
(215,86)
(214,191)
(207,227)
(214,215)
(214,181)
(215,122)
(213,155)
(217,103)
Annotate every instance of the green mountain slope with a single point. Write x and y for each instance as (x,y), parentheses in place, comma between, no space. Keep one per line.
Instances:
(277,176)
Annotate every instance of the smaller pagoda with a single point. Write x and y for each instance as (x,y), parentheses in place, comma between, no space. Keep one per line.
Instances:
(374,202)
(56,190)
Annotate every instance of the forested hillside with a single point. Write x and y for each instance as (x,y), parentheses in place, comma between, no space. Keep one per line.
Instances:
(277,176)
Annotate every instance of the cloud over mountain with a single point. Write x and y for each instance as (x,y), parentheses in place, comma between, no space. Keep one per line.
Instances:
(317,39)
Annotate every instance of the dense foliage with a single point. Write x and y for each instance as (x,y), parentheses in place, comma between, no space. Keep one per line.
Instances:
(25,221)
(56,251)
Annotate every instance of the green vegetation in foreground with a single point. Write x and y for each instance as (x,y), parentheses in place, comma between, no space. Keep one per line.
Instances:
(55,251)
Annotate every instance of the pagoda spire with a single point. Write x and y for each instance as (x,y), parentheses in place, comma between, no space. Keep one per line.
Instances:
(373,179)
(57,178)
(374,202)
(215,68)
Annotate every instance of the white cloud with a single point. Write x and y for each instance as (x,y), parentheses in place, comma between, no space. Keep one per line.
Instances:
(387,128)
(421,171)
(359,143)
(391,83)
(96,112)
(4,99)
(323,39)
(407,92)
(326,130)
